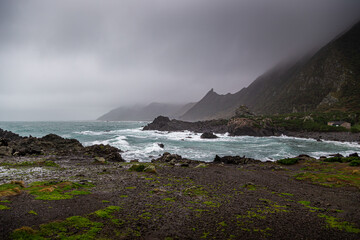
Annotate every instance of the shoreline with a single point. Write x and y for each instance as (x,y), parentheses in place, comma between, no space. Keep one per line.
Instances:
(330,136)
(244,127)
(55,185)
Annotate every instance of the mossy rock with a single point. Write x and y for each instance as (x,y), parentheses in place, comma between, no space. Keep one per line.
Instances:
(150,169)
(288,161)
(137,168)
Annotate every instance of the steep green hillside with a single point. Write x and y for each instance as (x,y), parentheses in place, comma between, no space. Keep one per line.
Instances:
(329,80)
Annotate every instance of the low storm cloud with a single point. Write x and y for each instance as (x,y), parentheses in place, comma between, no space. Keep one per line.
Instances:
(77,59)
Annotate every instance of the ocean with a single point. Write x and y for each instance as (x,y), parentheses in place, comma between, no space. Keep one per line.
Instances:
(144,145)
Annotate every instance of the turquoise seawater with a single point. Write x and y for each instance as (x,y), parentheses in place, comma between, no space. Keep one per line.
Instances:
(143,145)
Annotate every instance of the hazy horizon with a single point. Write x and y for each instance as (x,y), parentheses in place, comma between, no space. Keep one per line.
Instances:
(76,60)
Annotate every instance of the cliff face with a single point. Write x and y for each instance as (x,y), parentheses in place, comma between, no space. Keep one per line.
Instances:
(328,80)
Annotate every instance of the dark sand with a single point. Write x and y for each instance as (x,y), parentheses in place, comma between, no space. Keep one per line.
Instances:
(251,201)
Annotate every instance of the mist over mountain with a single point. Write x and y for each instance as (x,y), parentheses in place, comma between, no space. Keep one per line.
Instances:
(146,113)
(329,80)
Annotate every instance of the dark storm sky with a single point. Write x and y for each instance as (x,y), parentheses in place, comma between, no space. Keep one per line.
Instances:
(77,59)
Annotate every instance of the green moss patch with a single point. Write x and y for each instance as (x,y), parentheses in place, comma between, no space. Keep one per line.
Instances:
(196,191)
(57,190)
(32,212)
(333,222)
(330,180)
(288,161)
(75,227)
(3,207)
(260,213)
(137,167)
(307,204)
(46,163)
(11,189)
(106,213)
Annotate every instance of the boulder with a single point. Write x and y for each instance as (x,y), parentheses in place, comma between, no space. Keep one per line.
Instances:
(161,145)
(235,160)
(336,155)
(208,135)
(106,151)
(354,155)
(305,157)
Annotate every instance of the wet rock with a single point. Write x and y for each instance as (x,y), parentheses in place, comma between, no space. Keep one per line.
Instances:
(354,155)
(159,123)
(167,157)
(106,151)
(208,135)
(305,157)
(336,155)
(161,145)
(184,164)
(235,160)
(9,135)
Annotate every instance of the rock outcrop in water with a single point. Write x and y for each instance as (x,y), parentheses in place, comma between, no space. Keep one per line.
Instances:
(235,127)
(208,135)
(13,144)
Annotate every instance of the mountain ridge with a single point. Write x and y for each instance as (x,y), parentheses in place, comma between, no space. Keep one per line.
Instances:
(328,80)
(146,113)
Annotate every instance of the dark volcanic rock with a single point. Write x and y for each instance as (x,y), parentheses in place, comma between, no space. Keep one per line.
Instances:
(250,127)
(9,135)
(159,123)
(51,144)
(4,142)
(208,135)
(175,159)
(354,155)
(161,145)
(12,143)
(235,160)
(106,151)
(236,126)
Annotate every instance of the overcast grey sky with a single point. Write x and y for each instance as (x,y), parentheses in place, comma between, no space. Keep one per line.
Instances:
(77,59)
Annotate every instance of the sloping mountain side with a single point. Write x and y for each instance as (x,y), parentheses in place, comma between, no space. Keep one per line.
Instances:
(145,113)
(329,80)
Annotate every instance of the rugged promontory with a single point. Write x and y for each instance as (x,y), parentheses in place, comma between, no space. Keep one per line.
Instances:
(235,127)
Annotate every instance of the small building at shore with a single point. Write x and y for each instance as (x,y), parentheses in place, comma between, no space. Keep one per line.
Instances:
(340,124)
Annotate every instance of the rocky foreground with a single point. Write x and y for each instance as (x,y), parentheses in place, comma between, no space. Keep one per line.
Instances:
(85,193)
